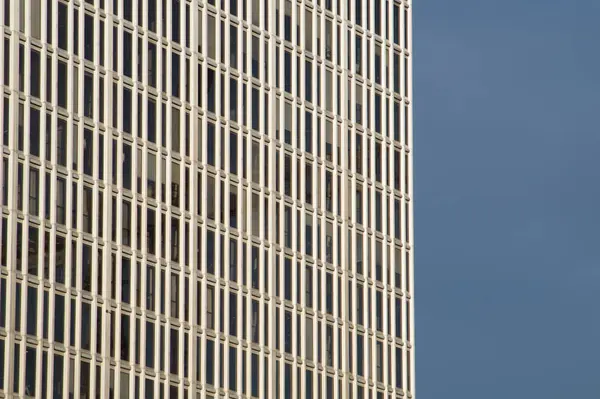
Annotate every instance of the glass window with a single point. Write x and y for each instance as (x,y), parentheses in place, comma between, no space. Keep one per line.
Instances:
(126,218)
(62,80)
(61,195)
(255,56)
(255,269)
(308,184)
(59,318)
(174,295)
(255,108)
(86,322)
(34,177)
(308,131)
(35,71)
(175,184)
(233,260)
(86,268)
(63,25)
(88,42)
(211,37)
(124,337)
(329,243)
(211,144)
(30,371)
(31,311)
(233,314)
(378,212)
(175,21)
(210,362)
(329,293)
(150,344)
(309,288)
(288,71)
(210,252)
(379,361)
(210,94)
(125,280)
(175,74)
(211,192)
(288,20)
(88,152)
(288,123)
(308,31)
(379,310)
(233,103)
(61,142)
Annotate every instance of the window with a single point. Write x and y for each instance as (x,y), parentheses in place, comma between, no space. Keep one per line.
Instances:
(62,79)
(175,75)
(379,310)
(150,281)
(4,181)
(328,39)
(211,37)
(288,332)
(211,192)
(288,20)
(174,295)
(255,108)
(125,280)
(288,279)
(86,272)
(32,311)
(288,227)
(255,267)
(63,25)
(254,325)
(210,94)
(233,103)
(398,267)
(308,31)
(378,117)
(379,361)
(287,175)
(288,123)
(35,70)
(30,371)
(175,184)
(59,318)
(308,184)
(309,283)
(61,197)
(233,314)
(233,260)
(34,178)
(88,152)
(378,212)
(256,56)
(211,144)
(61,142)
(360,354)
(359,200)
(288,71)
(329,345)
(126,220)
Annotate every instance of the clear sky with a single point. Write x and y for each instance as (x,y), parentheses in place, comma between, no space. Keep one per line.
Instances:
(507,149)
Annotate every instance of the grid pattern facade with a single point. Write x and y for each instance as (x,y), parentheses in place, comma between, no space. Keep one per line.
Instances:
(205,199)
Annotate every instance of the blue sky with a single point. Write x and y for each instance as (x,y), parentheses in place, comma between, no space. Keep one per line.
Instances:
(507,202)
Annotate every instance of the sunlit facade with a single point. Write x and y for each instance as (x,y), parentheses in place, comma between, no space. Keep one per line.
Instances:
(206,199)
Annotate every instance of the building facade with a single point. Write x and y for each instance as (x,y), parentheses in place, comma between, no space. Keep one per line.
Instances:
(206,199)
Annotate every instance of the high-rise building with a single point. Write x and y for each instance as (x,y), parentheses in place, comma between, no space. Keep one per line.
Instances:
(206,199)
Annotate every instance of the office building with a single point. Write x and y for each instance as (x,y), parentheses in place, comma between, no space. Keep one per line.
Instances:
(206,199)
